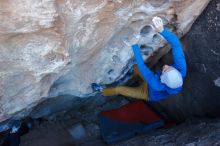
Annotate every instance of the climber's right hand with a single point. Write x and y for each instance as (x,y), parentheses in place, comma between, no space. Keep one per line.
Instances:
(132,41)
(157,24)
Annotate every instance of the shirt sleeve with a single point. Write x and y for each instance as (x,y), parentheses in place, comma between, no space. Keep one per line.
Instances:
(177,51)
(147,74)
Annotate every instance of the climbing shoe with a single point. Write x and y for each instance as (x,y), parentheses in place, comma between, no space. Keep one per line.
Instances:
(96,87)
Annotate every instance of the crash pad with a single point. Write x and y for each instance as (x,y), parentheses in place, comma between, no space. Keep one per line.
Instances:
(127,121)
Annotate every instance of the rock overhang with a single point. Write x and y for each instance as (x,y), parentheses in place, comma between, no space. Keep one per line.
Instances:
(51,48)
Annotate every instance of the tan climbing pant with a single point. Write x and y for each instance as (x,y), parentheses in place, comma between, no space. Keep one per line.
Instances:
(140,92)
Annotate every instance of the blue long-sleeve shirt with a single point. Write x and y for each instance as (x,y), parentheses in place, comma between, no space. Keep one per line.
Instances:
(157,89)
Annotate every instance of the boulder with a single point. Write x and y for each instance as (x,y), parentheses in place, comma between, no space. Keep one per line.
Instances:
(51,48)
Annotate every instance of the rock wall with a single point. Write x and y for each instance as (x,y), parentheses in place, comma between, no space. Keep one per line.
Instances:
(51,48)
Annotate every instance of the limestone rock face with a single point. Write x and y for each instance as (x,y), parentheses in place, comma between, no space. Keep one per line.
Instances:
(50,48)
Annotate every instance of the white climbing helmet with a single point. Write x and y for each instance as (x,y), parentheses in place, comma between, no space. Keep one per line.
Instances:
(172,78)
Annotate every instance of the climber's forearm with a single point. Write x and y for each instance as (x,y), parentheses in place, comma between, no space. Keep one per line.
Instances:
(177,51)
(146,73)
(140,62)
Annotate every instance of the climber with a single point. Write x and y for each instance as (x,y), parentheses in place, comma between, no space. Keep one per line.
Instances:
(155,86)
